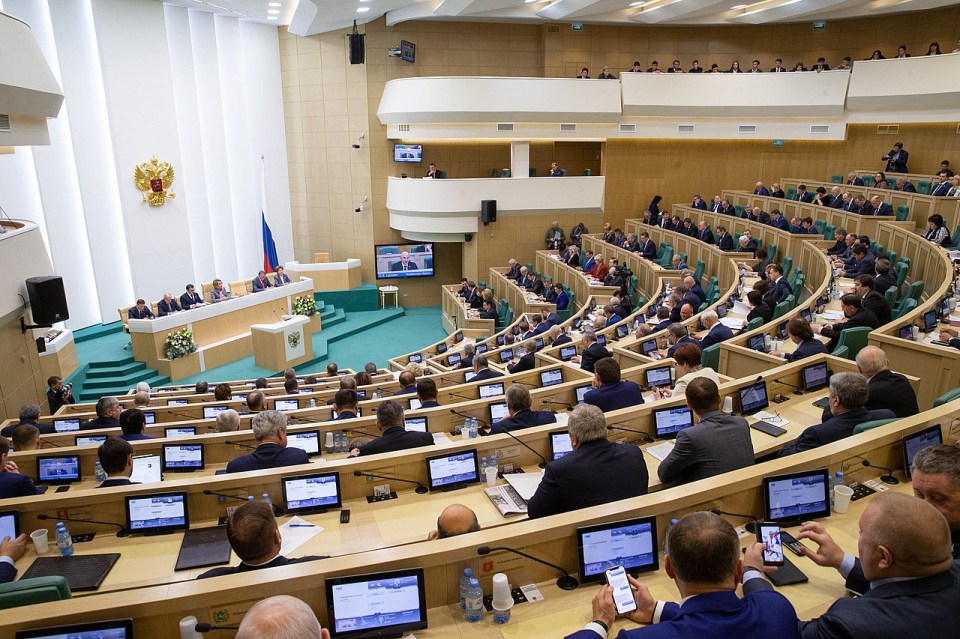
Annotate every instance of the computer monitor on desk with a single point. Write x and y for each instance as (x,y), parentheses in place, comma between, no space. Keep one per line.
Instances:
(183,458)
(453,470)
(631,544)
(306,440)
(667,422)
(66,425)
(146,469)
(753,398)
(157,514)
(929,321)
(311,493)
(116,629)
(797,497)
(384,604)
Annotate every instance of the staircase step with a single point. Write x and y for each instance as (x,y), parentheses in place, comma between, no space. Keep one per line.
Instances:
(109,363)
(336,318)
(127,381)
(113,372)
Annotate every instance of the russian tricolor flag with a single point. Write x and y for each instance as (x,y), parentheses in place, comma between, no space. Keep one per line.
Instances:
(270,258)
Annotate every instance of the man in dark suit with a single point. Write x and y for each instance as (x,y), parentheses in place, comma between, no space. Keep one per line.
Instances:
(853,179)
(58,394)
(270,431)
(29,414)
(897,159)
(758,307)
(802,195)
(469,351)
(698,203)
(677,337)
(871,299)
(520,415)
(941,188)
(558,337)
(909,581)
(582,478)
(863,262)
(482,369)
(255,538)
(647,248)
(393,435)
(706,565)
(487,311)
(879,207)
(778,221)
(760,189)
(725,241)
(12,483)
(261,282)
(840,242)
(168,305)
(781,287)
(727,209)
(560,299)
(133,423)
(108,413)
(716,332)
(887,389)
(427,393)
(526,280)
(528,361)
(514,272)
(884,279)
(10,551)
(856,315)
(140,310)
(190,299)
(116,458)
(346,403)
(704,234)
(590,351)
(405,263)
(848,395)
(609,391)
(905,186)
(663,319)
(936,479)
(631,243)
(408,383)
(717,444)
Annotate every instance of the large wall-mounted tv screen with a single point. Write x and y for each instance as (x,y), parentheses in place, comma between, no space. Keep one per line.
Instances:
(408,51)
(404,260)
(407,153)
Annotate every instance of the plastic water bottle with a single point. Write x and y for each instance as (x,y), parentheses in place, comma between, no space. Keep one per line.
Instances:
(377,394)
(464,584)
(99,472)
(493,463)
(473,428)
(266,498)
(64,540)
(666,536)
(483,465)
(473,612)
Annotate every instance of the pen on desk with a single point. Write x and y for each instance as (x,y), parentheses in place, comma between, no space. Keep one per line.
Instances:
(301,525)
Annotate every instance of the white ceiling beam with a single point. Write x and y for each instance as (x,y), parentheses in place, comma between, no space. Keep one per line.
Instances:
(565,8)
(677,10)
(788,10)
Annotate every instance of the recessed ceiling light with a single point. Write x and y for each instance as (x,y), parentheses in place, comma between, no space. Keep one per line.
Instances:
(273,12)
(363,9)
(271,17)
(273,4)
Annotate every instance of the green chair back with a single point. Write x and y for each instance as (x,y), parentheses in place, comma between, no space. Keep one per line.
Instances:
(495,173)
(949,396)
(820,225)
(791,194)
(702,307)
(772,252)
(667,257)
(854,339)
(867,180)
(791,301)
(563,173)
(787,265)
(836,179)
(924,187)
(865,426)
(27,592)
(701,267)
(587,172)
(781,309)
(504,172)
(891,296)
(841,351)
(903,213)
(756,322)
(533,171)
(908,305)
(710,357)
(828,231)
(901,270)
(915,290)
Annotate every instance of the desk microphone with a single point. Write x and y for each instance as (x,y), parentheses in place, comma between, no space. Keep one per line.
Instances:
(451,381)
(300,419)
(362,432)
(184,415)
(482,421)
(751,527)
(226,496)
(120,533)
(647,439)
(50,443)
(796,389)
(206,627)
(564,404)
(459,395)
(543,460)
(240,445)
(888,478)
(566,582)
(421,489)
(277,315)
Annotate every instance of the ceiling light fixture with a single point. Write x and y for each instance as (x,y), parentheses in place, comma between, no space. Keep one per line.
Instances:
(363,9)
(273,4)
(273,12)
(271,17)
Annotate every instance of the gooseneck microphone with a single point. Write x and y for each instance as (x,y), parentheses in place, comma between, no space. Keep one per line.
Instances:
(226,496)
(551,402)
(482,421)
(752,527)
(206,627)
(47,442)
(421,489)
(122,532)
(248,447)
(452,394)
(888,478)
(566,582)
(543,460)
(647,439)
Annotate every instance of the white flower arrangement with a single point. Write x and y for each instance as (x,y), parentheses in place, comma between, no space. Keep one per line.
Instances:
(304,305)
(179,344)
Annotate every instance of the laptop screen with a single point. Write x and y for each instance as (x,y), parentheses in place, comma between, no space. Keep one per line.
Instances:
(798,496)
(538,343)
(490,390)
(500,340)
(177,402)
(418,424)
(180,431)
(506,355)
(906,332)
(667,422)
(912,444)
(374,605)
(310,493)
(454,470)
(551,378)
(415,404)
(757,343)
(622,331)
(60,469)
(9,524)
(815,376)
(468,376)
(567,353)
(306,440)
(753,398)
(146,469)
(601,340)
(649,346)
(498,412)
(441,348)
(66,425)
(158,513)
(929,321)
(286,404)
(150,417)
(458,337)
(183,457)
(631,544)
(560,444)
(659,377)
(416,357)
(481,348)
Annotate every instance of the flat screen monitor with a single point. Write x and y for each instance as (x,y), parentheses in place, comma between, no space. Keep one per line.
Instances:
(66,425)
(468,376)
(89,440)
(568,352)
(242,397)
(649,346)
(577,322)
(929,321)
(490,390)
(622,331)
(458,337)
(408,51)
(659,377)
(9,524)
(757,343)
(631,544)
(408,153)
(551,378)
(500,340)
(150,417)
(307,440)
(177,402)
(116,629)
(538,343)
(415,358)
(805,314)
(518,352)
(362,394)
(753,398)
(374,605)
(912,444)
(797,496)
(783,330)
(454,359)
(211,412)
(453,470)
(418,424)
(441,348)
(180,431)
(415,404)
(560,445)
(582,392)
(158,513)
(906,332)
(667,422)
(286,404)
(722,310)
(498,412)
(404,260)
(311,493)
(58,469)
(146,469)
(184,457)
(602,340)
(481,348)
(815,376)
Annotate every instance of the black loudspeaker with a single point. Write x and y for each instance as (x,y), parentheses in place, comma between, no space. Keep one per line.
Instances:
(41,345)
(48,301)
(357,52)
(488,211)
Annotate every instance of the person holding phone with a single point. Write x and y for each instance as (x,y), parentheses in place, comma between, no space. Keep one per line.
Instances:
(704,561)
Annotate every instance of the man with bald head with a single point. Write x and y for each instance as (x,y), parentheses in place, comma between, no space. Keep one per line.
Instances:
(887,389)
(456,519)
(281,617)
(906,572)
(936,480)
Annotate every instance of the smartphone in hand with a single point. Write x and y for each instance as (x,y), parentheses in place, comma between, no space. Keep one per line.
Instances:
(769,535)
(622,593)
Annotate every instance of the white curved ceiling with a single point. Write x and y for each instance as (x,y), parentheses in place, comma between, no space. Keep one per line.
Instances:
(318,16)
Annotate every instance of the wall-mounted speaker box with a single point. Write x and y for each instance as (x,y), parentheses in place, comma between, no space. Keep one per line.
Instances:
(357,50)
(488,211)
(41,345)
(48,301)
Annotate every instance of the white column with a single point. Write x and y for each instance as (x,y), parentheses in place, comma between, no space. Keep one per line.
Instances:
(520,159)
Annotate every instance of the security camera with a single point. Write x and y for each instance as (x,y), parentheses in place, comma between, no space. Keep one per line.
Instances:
(356,144)
(359,208)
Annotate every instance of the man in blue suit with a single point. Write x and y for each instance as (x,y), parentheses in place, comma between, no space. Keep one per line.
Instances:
(140,311)
(880,207)
(116,459)
(482,369)
(677,336)
(704,234)
(778,221)
(725,241)
(520,415)
(648,249)
(716,332)
(862,264)
(393,435)
(190,299)
(270,431)
(527,362)
(558,337)
(10,551)
(561,300)
(133,423)
(168,305)
(12,483)
(853,179)
(589,262)
(848,396)
(909,580)
(760,189)
(582,478)
(698,203)
(261,282)
(802,194)
(706,565)
(781,287)
(609,391)
(727,209)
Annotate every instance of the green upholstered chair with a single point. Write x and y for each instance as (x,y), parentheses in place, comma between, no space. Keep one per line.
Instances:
(710,357)
(949,396)
(854,339)
(865,426)
(27,592)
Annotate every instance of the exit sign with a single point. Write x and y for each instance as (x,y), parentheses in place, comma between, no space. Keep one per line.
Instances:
(778,143)
(577,26)
(819,25)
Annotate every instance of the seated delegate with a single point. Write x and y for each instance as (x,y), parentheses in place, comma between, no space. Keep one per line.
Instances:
(609,391)
(270,431)
(519,413)
(393,435)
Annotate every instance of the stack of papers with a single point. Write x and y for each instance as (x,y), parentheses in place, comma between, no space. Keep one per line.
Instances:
(832,315)
(740,308)
(733,323)
(297,532)
(660,451)
(525,484)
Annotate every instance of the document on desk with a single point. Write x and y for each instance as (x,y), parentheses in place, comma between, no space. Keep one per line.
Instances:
(770,418)
(562,419)
(739,308)
(832,315)
(733,323)
(660,451)
(525,484)
(295,533)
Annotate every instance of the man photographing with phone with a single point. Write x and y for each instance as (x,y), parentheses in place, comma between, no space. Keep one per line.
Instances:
(704,561)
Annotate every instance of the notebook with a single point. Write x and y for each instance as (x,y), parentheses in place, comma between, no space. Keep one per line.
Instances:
(83,572)
(203,547)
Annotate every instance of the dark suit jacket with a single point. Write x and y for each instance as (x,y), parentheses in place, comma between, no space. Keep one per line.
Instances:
(562,301)
(45,429)
(863,317)
(524,419)
(725,243)
(883,282)
(883,209)
(761,191)
(614,396)
(781,290)
(133,437)
(268,456)
(136,313)
(706,235)
(261,285)
(834,429)
(855,182)
(940,189)
(278,281)
(762,612)
(719,443)
(730,210)
(892,391)
(186,300)
(918,609)
(683,340)
(406,390)
(717,334)
(7,573)
(490,315)
(649,250)
(167,309)
(117,481)
(633,247)
(55,400)
(762,311)
(563,339)
(525,363)
(806,348)
(280,560)
(486,373)
(877,304)
(100,422)
(702,205)
(16,485)
(396,438)
(592,355)
(582,478)
(781,224)
(514,272)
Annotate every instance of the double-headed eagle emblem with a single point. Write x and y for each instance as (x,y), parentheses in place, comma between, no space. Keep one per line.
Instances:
(154,178)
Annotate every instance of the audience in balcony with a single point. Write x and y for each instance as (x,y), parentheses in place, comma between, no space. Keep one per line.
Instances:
(776,191)
(903,185)
(897,159)
(941,188)
(606,75)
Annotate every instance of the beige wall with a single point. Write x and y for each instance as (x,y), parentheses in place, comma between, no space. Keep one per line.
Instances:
(21,381)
